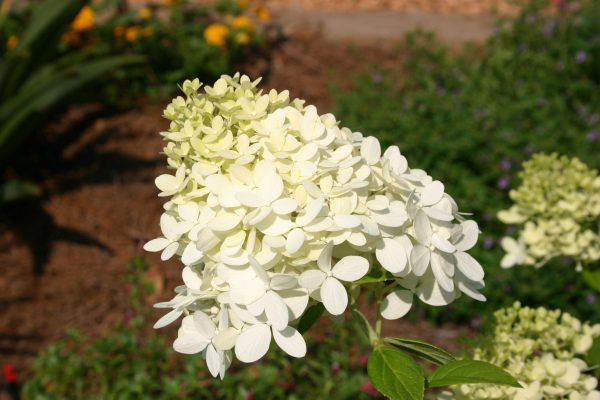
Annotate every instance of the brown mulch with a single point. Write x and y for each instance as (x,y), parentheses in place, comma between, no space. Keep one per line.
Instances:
(63,256)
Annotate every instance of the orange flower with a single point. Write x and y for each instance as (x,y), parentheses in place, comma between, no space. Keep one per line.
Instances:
(132,33)
(84,21)
(170,2)
(242,38)
(243,4)
(242,22)
(262,13)
(12,42)
(216,34)
(119,31)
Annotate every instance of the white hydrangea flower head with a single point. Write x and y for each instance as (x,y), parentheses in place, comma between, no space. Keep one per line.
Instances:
(557,206)
(542,349)
(273,207)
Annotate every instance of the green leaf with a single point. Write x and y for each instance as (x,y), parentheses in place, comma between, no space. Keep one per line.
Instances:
(38,44)
(14,190)
(422,349)
(395,374)
(593,355)
(47,89)
(592,278)
(470,371)
(310,316)
(374,276)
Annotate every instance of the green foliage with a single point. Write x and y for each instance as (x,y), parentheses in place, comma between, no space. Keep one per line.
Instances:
(592,278)
(35,78)
(134,362)
(172,38)
(470,371)
(471,118)
(14,190)
(395,374)
(593,355)
(310,316)
(422,349)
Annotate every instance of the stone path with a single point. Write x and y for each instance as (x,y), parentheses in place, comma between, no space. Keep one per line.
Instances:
(370,26)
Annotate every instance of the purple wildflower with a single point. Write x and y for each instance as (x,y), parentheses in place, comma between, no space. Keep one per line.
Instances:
(504,183)
(592,136)
(505,164)
(590,298)
(488,242)
(580,57)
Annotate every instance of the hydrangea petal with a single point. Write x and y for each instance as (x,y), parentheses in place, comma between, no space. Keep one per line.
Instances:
(396,304)
(213,361)
(191,279)
(335,298)
(430,292)
(190,344)
(157,244)
(204,325)
(350,268)
(295,240)
(168,318)
(469,266)
(419,259)
(432,193)
(276,310)
(284,206)
(469,235)
(391,255)
(253,343)
(290,341)
(370,150)
(422,228)
(311,279)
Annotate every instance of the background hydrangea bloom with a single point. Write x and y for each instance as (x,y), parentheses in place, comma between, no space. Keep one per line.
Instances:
(558,206)
(542,349)
(273,206)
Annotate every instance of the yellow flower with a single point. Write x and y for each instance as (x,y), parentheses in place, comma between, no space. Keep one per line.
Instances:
(242,22)
(242,38)
(145,13)
(84,21)
(132,33)
(12,42)
(262,13)
(243,4)
(216,34)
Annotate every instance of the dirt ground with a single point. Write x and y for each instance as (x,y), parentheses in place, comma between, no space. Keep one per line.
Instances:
(63,256)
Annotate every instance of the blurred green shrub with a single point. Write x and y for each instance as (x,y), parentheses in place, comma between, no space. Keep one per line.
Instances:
(35,76)
(133,362)
(181,39)
(471,118)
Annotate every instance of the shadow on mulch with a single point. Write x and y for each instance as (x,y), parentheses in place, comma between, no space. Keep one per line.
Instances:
(84,164)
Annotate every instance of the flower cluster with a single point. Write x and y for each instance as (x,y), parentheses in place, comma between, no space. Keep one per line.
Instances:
(558,204)
(273,206)
(539,347)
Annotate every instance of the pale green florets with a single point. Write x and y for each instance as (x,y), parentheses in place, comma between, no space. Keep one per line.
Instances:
(541,348)
(558,206)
